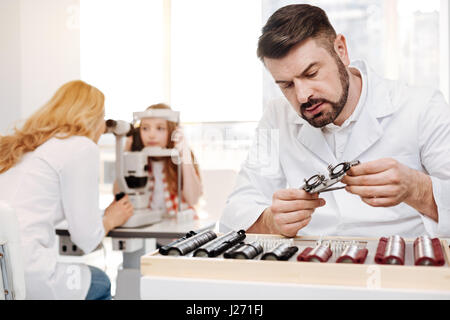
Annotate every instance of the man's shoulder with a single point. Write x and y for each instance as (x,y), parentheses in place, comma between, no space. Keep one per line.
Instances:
(397,93)
(403,92)
(403,96)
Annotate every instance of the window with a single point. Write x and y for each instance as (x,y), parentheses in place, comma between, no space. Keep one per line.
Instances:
(121,44)
(216,79)
(400,39)
(216,76)
(121,53)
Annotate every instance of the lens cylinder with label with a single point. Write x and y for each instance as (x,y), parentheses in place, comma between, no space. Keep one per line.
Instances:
(353,254)
(320,253)
(428,252)
(192,243)
(246,251)
(391,250)
(220,244)
(164,250)
(283,251)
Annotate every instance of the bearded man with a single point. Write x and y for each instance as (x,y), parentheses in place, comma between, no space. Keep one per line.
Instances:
(335,111)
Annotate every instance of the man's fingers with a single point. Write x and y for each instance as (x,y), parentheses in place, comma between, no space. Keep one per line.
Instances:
(372,167)
(373,191)
(376,179)
(295,205)
(293,217)
(380,202)
(290,230)
(294,194)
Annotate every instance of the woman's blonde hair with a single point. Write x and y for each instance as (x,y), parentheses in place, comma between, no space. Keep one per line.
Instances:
(74,110)
(170,168)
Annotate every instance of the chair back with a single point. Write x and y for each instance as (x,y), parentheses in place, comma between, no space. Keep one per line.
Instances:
(12,276)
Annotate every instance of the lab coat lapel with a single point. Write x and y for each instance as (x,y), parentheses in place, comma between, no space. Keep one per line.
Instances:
(313,139)
(366,132)
(367,129)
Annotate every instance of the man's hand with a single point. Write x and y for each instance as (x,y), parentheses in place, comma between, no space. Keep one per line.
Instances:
(290,211)
(386,182)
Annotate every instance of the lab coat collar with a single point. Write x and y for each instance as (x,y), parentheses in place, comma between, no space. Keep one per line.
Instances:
(378,105)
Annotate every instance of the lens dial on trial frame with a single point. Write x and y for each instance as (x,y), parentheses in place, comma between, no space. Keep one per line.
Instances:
(318,183)
(314,181)
(338,170)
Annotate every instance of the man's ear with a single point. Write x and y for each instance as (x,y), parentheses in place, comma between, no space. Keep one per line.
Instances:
(340,47)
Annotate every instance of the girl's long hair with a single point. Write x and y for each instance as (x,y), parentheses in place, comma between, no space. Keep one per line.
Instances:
(170,168)
(74,110)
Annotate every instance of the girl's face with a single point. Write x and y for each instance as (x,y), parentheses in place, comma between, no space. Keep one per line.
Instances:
(154,132)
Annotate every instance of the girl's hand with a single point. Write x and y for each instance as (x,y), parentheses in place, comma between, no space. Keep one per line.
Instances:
(178,138)
(182,147)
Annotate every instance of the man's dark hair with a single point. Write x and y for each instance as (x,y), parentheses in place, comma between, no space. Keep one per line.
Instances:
(291,25)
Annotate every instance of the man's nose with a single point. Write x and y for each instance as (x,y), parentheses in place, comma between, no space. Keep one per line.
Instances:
(302,91)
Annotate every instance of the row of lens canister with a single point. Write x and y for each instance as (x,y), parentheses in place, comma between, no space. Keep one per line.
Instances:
(427,251)
(231,245)
(389,251)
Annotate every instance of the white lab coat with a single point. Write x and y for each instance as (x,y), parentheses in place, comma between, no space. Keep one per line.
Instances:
(57,181)
(409,124)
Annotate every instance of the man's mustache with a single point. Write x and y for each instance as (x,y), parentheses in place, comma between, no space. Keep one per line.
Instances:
(312,102)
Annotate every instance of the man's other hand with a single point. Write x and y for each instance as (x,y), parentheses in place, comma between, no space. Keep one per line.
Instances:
(290,211)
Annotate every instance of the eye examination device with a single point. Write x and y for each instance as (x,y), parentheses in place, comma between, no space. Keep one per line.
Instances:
(132,167)
(318,182)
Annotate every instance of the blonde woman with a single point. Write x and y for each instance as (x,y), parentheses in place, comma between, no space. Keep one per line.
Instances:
(49,172)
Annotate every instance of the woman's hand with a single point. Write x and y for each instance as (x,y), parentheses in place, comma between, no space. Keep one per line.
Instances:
(117,213)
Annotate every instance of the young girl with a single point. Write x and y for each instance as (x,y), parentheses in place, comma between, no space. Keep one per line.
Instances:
(49,171)
(157,132)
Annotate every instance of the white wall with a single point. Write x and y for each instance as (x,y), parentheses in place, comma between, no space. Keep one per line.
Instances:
(444,49)
(9,63)
(122,53)
(40,51)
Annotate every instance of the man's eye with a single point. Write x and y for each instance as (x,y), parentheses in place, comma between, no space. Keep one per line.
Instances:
(311,75)
(161,128)
(286,85)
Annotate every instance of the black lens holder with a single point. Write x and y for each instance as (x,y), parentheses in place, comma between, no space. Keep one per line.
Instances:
(191,243)
(164,250)
(244,251)
(219,245)
(281,252)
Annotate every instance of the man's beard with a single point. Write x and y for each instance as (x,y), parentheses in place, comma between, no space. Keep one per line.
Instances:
(326,117)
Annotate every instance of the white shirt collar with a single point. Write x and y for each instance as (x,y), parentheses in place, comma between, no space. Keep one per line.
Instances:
(331,127)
